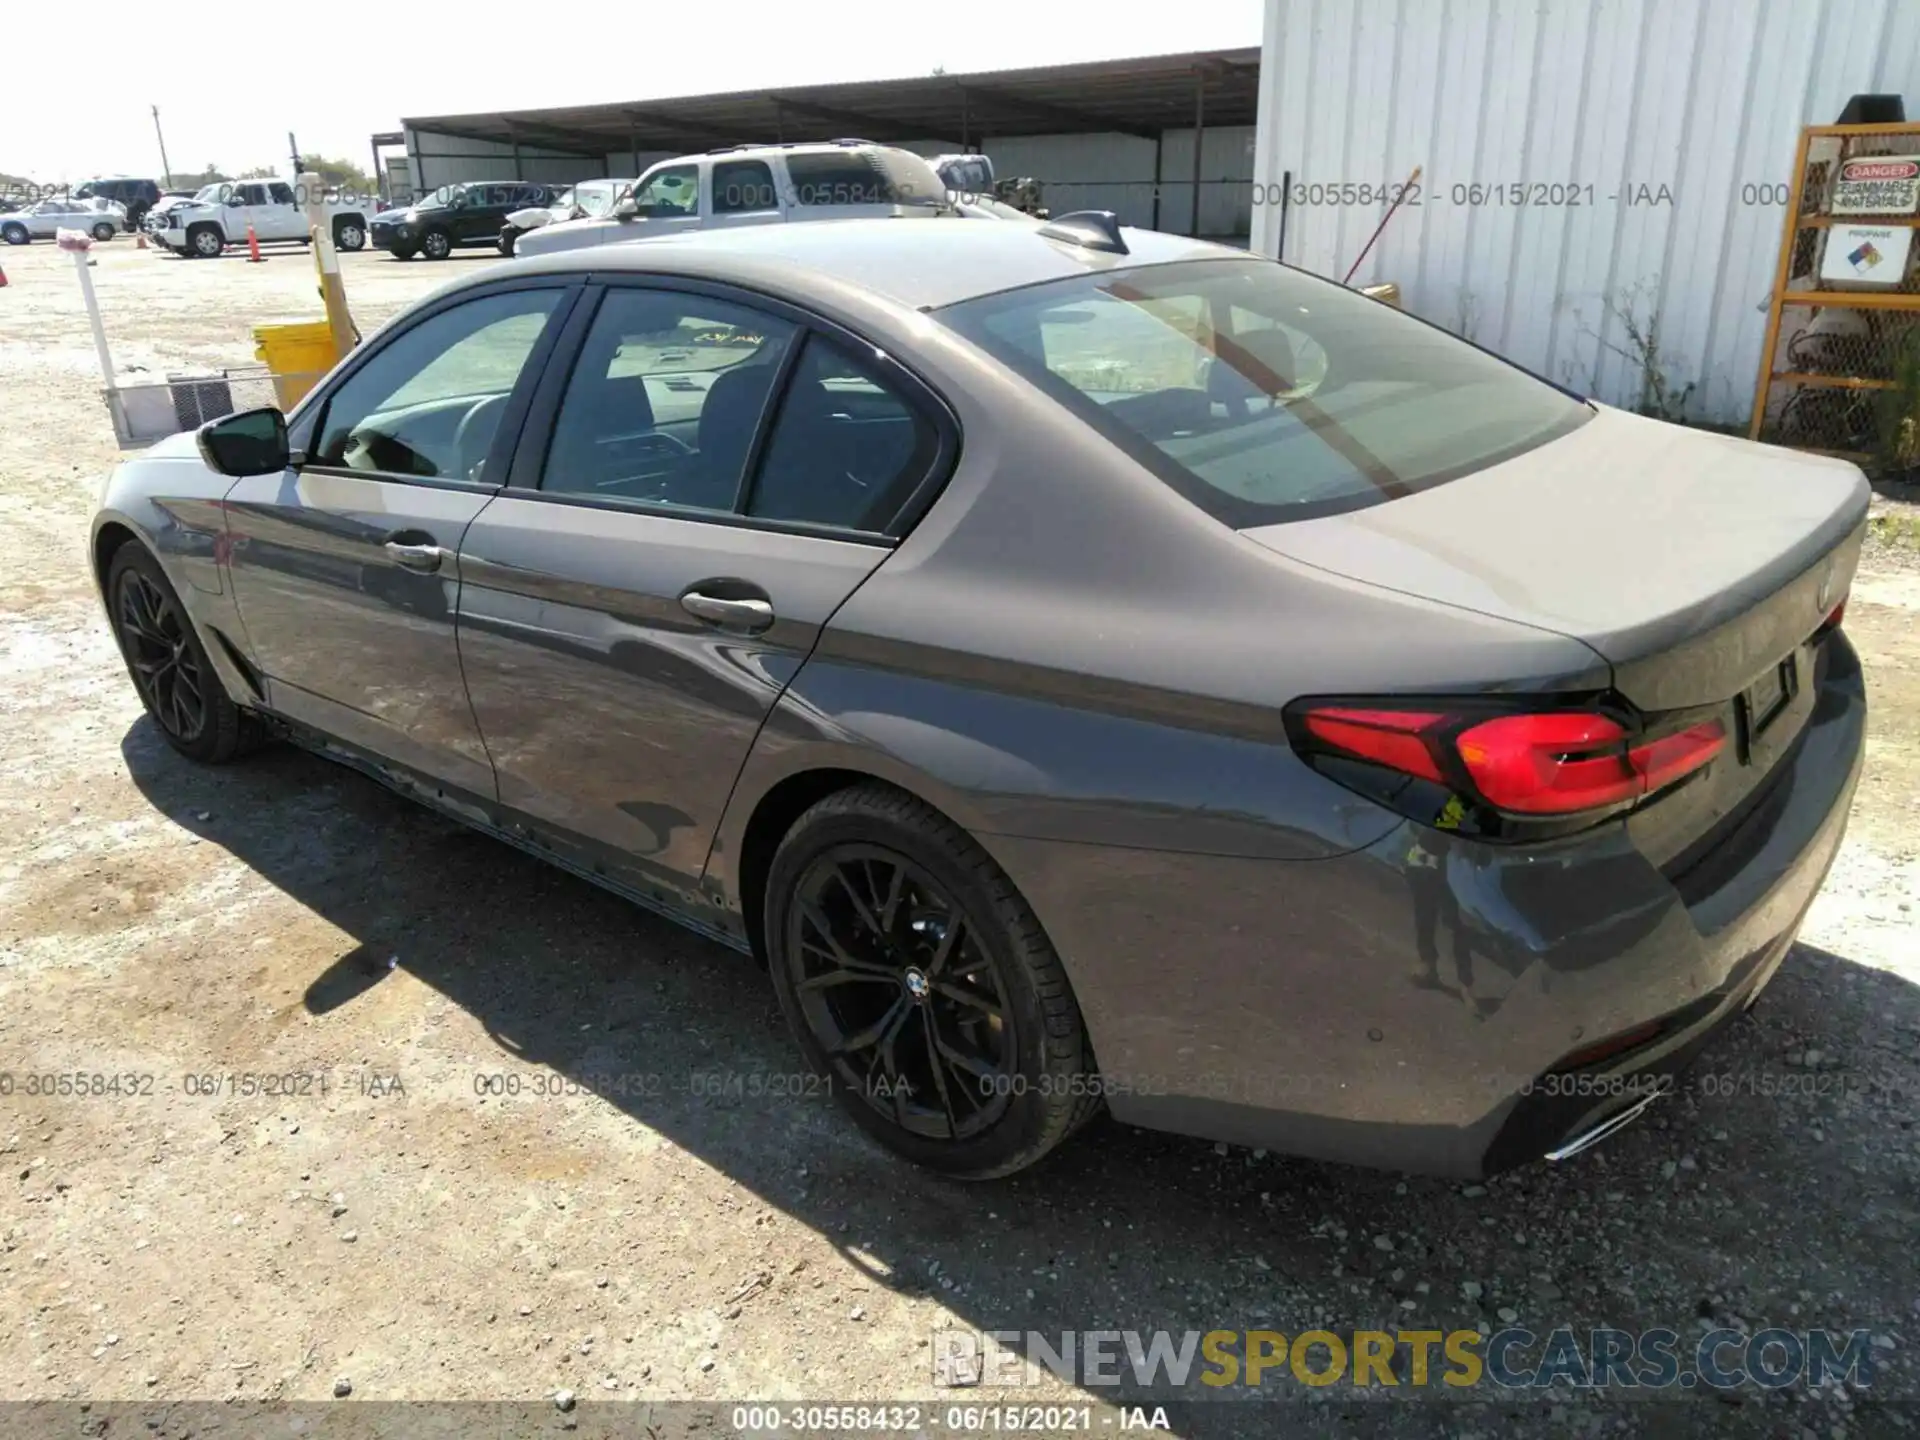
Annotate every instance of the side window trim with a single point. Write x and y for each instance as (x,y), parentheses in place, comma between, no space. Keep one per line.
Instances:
(769,417)
(311,420)
(529,462)
(536,433)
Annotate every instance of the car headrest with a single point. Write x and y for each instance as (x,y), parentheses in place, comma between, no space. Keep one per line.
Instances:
(727,419)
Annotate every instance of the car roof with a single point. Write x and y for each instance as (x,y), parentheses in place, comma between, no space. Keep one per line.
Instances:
(922,262)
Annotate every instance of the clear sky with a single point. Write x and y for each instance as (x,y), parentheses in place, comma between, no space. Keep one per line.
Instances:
(231,80)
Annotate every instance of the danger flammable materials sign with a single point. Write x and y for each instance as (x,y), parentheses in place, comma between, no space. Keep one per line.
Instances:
(1877,185)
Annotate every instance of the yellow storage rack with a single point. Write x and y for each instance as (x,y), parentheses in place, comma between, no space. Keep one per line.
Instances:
(1840,368)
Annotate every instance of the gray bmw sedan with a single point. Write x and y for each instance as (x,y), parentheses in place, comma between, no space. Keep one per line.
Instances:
(1088,668)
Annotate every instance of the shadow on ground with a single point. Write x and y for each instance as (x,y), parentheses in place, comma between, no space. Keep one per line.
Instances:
(1727,1200)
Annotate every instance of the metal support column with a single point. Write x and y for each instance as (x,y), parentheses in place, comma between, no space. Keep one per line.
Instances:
(1159,153)
(1199,133)
(513,138)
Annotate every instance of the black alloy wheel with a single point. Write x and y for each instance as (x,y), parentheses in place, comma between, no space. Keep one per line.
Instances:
(169,665)
(894,984)
(165,671)
(921,988)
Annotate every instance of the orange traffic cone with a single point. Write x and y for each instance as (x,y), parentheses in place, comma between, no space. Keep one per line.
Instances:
(139,239)
(3,279)
(254,257)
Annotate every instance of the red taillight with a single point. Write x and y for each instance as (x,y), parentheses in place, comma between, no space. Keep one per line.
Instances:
(1663,761)
(1387,737)
(1549,764)
(1559,763)
(1834,616)
(1554,762)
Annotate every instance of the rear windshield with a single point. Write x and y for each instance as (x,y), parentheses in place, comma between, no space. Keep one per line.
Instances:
(864,177)
(1264,394)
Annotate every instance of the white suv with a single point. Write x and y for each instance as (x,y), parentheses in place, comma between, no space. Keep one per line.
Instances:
(759,185)
(219,214)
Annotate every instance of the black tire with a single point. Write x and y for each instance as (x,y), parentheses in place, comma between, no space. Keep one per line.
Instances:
(168,664)
(204,242)
(436,244)
(104,231)
(349,234)
(16,234)
(509,237)
(1005,1006)
(403,252)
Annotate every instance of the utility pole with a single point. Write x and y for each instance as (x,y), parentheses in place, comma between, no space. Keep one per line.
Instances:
(166,170)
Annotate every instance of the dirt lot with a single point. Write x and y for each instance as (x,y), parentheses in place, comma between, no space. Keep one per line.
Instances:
(387,1226)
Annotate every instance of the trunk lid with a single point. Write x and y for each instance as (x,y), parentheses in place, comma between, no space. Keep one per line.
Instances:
(1690,561)
(1699,567)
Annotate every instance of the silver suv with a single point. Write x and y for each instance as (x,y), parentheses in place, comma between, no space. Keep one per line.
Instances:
(759,185)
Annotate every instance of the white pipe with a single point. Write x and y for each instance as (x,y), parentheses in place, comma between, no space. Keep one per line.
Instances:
(80,263)
(115,408)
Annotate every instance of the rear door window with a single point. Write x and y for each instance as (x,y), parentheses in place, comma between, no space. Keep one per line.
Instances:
(1263,394)
(741,186)
(665,400)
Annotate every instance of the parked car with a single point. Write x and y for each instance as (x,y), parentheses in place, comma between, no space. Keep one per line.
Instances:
(1084,665)
(101,219)
(218,216)
(135,196)
(972,205)
(454,215)
(759,185)
(589,200)
(977,194)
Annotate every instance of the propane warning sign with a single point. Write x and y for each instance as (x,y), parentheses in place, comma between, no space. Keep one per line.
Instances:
(1858,256)
(1877,185)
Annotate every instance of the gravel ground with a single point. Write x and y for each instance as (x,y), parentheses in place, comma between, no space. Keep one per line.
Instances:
(388,1230)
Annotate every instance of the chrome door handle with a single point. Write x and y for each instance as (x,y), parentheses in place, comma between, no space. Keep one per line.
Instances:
(751,616)
(424,558)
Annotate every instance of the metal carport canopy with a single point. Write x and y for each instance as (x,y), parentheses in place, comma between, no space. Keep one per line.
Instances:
(1144,96)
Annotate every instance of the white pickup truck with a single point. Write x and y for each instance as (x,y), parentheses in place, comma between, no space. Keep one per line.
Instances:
(218,216)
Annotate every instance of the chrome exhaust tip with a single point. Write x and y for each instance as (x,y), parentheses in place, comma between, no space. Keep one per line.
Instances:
(1617,1121)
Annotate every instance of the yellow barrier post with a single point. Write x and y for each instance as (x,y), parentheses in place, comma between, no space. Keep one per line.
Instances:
(333,289)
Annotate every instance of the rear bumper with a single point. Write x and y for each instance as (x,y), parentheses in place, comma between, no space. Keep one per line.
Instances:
(1413,1005)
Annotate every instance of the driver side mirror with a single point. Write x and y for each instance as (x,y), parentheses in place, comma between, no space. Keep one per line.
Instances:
(627,209)
(253,442)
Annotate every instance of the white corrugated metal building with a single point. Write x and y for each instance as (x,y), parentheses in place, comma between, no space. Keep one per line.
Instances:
(1662,131)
